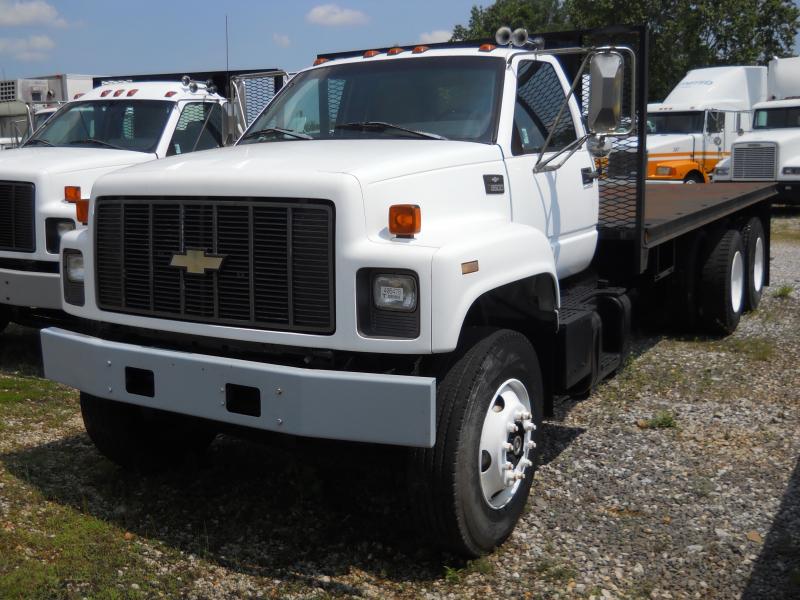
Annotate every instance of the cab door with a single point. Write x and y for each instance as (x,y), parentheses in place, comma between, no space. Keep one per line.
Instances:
(562,203)
(713,140)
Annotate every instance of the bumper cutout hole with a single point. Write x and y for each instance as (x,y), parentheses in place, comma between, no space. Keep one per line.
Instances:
(243,400)
(140,382)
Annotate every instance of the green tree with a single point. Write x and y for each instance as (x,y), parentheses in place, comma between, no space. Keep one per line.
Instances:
(535,15)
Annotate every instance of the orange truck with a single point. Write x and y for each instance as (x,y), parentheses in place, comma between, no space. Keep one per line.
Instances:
(696,124)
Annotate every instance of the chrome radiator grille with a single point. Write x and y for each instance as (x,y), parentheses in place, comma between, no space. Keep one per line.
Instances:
(17,232)
(753,161)
(276,268)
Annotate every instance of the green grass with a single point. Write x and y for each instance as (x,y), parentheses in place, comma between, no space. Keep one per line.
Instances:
(783,291)
(663,419)
(34,399)
(550,570)
(755,348)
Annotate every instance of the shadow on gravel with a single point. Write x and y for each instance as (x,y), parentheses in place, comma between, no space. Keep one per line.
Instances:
(776,573)
(20,351)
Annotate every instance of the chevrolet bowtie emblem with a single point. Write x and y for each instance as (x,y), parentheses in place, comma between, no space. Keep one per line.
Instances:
(197,261)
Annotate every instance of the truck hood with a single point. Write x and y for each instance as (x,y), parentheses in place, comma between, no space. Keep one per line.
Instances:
(770,135)
(663,143)
(397,158)
(34,162)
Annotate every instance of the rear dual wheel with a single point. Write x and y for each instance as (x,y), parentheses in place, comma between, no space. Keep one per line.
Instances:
(722,282)
(755,248)
(470,489)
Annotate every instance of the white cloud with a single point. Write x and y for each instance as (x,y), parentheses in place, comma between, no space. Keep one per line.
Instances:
(29,12)
(281,39)
(32,48)
(333,15)
(436,36)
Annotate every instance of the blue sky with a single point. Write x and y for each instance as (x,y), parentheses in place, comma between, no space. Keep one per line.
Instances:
(107,37)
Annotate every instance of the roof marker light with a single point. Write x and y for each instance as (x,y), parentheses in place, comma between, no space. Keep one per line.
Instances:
(320,61)
(131,92)
(105,93)
(169,94)
(419,49)
(395,51)
(118,93)
(486,47)
(371,53)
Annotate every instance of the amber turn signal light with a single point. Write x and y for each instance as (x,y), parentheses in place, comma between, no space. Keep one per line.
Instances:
(72,194)
(405,219)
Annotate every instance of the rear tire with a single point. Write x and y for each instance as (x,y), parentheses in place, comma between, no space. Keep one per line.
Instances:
(722,282)
(755,248)
(5,318)
(142,439)
(467,498)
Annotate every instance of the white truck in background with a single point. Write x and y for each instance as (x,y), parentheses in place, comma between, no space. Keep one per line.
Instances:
(45,185)
(696,124)
(771,151)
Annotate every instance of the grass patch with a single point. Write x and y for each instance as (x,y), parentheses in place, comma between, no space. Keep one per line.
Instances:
(761,349)
(663,419)
(783,291)
(552,571)
(481,565)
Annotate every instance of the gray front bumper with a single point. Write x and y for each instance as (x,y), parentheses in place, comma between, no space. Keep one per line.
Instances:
(362,407)
(30,289)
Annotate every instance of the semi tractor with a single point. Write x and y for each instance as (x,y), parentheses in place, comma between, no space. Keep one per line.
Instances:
(696,124)
(45,185)
(771,152)
(410,246)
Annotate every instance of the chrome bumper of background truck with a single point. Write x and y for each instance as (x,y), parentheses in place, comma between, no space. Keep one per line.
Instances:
(361,407)
(30,289)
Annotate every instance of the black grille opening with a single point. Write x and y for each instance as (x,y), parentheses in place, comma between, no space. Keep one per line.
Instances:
(243,400)
(17,233)
(276,270)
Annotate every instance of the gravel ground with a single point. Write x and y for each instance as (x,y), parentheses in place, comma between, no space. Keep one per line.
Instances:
(679,478)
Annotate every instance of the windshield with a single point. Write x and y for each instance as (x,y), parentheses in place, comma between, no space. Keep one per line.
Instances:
(453,97)
(121,124)
(40,119)
(675,122)
(777,118)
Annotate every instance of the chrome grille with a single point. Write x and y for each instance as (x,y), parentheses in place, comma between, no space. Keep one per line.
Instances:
(276,272)
(753,161)
(16,216)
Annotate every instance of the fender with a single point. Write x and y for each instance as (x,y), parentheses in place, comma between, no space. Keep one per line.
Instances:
(504,254)
(681,168)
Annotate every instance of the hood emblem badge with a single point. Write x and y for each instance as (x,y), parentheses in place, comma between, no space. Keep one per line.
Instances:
(196,261)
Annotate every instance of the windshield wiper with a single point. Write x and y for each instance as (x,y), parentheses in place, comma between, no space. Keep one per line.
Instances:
(382,125)
(38,141)
(296,134)
(99,142)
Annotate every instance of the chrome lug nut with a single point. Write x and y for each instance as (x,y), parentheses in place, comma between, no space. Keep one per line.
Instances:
(507,447)
(511,428)
(530,445)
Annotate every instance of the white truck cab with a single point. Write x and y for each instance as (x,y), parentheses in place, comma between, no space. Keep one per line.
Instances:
(696,124)
(771,151)
(45,185)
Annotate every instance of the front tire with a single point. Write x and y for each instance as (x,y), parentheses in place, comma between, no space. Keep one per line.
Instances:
(470,489)
(142,439)
(755,249)
(723,282)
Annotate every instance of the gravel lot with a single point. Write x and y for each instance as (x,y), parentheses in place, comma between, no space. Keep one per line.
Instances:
(679,478)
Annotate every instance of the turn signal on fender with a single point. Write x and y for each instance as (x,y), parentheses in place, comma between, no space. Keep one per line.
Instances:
(405,219)
(72,194)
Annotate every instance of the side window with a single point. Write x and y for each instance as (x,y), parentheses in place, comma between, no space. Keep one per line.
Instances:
(199,128)
(715,122)
(539,98)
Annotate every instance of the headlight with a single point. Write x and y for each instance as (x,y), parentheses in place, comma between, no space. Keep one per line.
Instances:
(791,170)
(722,170)
(54,231)
(395,292)
(665,171)
(73,266)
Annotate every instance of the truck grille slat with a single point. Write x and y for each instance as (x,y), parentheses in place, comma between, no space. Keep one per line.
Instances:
(17,232)
(276,273)
(754,162)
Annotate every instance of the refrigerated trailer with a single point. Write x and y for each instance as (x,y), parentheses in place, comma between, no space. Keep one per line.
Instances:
(410,246)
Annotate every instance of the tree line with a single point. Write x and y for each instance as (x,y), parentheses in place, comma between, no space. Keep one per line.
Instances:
(683,35)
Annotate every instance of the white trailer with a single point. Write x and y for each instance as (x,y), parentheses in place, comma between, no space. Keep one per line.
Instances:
(699,120)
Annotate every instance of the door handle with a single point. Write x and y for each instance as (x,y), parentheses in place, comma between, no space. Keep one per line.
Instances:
(588,175)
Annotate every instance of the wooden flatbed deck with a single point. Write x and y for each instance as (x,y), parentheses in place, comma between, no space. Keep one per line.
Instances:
(672,210)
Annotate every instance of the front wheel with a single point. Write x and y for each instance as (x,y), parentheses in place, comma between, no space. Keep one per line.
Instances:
(470,489)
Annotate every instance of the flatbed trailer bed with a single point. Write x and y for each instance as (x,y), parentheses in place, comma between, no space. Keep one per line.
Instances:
(673,210)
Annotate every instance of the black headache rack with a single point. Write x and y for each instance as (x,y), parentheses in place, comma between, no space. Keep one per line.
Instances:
(221,79)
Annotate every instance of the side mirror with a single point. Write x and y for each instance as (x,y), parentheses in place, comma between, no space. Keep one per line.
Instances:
(605,93)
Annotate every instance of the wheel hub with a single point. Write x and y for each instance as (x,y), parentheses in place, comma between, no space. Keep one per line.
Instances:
(506,440)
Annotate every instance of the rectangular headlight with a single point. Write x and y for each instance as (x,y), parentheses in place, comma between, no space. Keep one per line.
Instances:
(73,267)
(791,170)
(394,292)
(722,170)
(54,231)
(665,171)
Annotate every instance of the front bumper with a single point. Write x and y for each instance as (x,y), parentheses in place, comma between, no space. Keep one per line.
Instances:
(30,289)
(361,407)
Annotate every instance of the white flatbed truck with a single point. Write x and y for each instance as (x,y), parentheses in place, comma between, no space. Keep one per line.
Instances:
(45,185)
(410,246)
